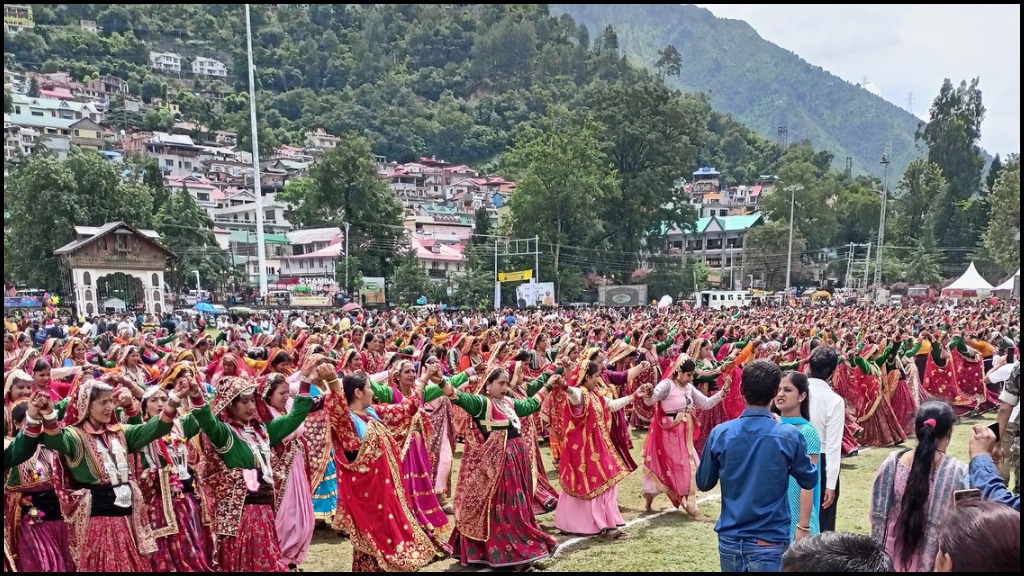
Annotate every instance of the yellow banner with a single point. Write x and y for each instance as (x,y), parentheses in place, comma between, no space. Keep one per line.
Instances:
(523,276)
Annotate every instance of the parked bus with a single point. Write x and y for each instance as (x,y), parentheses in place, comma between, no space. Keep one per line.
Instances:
(718,299)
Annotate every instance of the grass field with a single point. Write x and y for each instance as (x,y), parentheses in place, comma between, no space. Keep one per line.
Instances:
(660,541)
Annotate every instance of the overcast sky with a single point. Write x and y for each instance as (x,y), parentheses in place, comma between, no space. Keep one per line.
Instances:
(905,49)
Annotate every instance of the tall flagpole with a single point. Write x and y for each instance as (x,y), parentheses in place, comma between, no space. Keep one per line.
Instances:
(261,247)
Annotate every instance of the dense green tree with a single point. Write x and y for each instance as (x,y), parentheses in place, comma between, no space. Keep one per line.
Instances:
(562,182)
(186,229)
(766,252)
(922,265)
(33,87)
(916,205)
(47,198)
(951,136)
(1002,239)
(653,137)
(669,62)
(344,187)
(410,281)
(993,173)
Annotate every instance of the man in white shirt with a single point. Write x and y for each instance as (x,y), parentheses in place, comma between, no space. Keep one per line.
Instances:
(828,416)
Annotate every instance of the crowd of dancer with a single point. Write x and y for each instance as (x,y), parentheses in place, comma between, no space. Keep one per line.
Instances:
(156,451)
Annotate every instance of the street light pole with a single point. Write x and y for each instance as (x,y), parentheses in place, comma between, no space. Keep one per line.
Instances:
(261,248)
(198,287)
(881,218)
(792,212)
(346,258)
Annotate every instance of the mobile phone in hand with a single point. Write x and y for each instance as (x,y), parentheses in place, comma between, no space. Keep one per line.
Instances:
(961,496)
(995,430)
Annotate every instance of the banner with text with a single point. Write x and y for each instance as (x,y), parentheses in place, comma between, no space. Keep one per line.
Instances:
(515,276)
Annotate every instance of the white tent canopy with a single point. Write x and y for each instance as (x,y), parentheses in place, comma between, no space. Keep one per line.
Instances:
(970,281)
(1008,285)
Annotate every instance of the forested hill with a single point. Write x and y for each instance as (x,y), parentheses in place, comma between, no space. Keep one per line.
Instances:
(758,82)
(453,81)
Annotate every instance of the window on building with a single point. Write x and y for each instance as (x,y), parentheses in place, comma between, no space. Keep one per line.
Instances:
(77,132)
(169,163)
(121,242)
(202,197)
(302,264)
(188,166)
(321,263)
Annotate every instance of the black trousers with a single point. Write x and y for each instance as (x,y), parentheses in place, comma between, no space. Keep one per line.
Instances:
(827,517)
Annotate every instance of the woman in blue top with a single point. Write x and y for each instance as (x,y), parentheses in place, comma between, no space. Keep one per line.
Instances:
(793,405)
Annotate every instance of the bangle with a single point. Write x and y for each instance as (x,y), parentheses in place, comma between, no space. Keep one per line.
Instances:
(803,529)
(51,416)
(173,399)
(32,422)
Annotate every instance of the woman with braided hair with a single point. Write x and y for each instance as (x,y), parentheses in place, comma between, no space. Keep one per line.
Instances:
(495,523)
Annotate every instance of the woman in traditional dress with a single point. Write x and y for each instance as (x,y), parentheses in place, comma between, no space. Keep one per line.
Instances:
(17,386)
(11,352)
(590,476)
(881,427)
(129,363)
(17,450)
(794,406)
(495,524)
(474,355)
(940,379)
(416,466)
(372,503)
(107,525)
(670,458)
(969,366)
(34,527)
(239,475)
(372,352)
(642,414)
(168,483)
(295,516)
(707,375)
(545,496)
(618,356)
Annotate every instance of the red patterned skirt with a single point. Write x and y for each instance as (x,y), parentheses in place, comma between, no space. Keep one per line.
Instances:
(940,382)
(515,536)
(706,422)
(109,546)
(256,548)
(851,434)
(545,497)
(621,439)
(882,429)
(904,407)
(970,376)
(185,551)
(43,547)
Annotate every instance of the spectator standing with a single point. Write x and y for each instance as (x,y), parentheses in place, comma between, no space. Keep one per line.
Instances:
(828,416)
(836,552)
(978,537)
(754,456)
(913,491)
(984,475)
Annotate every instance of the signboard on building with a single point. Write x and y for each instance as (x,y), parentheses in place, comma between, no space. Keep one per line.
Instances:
(372,292)
(535,294)
(622,296)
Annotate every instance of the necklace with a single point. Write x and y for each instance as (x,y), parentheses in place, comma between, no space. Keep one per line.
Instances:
(260,446)
(508,411)
(114,459)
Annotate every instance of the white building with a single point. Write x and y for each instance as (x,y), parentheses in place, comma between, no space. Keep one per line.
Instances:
(209,67)
(54,108)
(441,261)
(176,155)
(314,253)
(321,140)
(716,241)
(165,62)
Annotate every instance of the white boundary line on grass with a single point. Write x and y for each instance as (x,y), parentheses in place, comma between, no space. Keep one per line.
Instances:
(579,540)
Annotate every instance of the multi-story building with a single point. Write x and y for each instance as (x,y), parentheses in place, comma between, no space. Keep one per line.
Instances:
(209,67)
(202,191)
(439,259)
(17,17)
(321,140)
(165,62)
(176,155)
(65,109)
(83,133)
(314,253)
(716,241)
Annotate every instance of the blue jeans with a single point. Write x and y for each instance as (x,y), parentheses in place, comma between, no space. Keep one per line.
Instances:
(746,556)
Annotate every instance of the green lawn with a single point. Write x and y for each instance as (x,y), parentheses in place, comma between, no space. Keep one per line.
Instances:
(669,542)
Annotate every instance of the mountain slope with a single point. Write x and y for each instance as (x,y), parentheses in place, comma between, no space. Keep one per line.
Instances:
(763,85)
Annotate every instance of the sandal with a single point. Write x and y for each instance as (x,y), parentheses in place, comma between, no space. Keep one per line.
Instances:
(617,535)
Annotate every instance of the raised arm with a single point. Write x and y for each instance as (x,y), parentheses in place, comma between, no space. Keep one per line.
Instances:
(280,428)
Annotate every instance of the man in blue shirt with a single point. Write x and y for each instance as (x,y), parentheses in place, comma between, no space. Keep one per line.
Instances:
(754,456)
